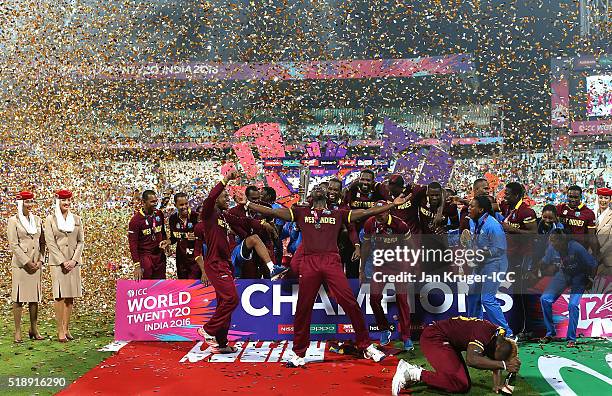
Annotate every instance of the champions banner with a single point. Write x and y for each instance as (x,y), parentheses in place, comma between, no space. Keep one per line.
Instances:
(172,310)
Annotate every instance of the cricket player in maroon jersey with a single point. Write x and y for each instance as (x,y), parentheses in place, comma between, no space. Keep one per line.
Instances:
(387,231)
(246,265)
(578,219)
(479,187)
(182,233)
(408,212)
(148,240)
(443,341)
(362,194)
(320,262)
(519,223)
(518,219)
(349,235)
(437,215)
(214,229)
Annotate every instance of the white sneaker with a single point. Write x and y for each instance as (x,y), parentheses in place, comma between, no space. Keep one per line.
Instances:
(296,361)
(399,379)
(413,374)
(209,339)
(405,374)
(374,353)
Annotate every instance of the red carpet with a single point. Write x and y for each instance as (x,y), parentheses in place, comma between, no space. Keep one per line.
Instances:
(153,368)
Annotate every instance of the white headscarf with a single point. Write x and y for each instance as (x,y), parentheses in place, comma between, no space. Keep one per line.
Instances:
(28,223)
(64,224)
(600,216)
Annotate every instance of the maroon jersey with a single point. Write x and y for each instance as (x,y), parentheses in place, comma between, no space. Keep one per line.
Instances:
(247,227)
(393,226)
(355,199)
(409,211)
(518,217)
(387,234)
(145,232)
(578,220)
(199,239)
(450,216)
(216,228)
(461,331)
(352,230)
(179,232)
(320,228)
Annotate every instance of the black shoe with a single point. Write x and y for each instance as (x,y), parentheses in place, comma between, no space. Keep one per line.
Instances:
(226,350)
(546,339)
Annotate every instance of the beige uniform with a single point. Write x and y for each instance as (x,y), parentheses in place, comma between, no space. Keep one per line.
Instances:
(64,246)
(604,236)
(25,248)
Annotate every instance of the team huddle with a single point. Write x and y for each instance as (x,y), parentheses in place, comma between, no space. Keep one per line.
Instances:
(331,237)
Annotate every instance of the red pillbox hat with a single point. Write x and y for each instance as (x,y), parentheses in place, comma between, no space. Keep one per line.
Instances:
(63,194)
(25,195)
(606,192)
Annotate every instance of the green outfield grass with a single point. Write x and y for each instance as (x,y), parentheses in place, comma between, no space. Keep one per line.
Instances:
(49,358)
(590,353)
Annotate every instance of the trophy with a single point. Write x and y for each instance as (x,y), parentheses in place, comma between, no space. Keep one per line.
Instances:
(466,239)
(304,182)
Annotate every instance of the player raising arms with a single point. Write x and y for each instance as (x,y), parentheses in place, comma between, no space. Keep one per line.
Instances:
(216,266)
(363,193)
(442,343)
(320,262)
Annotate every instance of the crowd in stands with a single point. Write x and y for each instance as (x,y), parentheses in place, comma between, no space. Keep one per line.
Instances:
(546,175)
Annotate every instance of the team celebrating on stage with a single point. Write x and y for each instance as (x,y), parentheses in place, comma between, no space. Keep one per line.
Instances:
(329,238)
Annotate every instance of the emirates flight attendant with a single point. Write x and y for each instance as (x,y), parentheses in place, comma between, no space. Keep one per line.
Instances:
(27,243)
(65,240)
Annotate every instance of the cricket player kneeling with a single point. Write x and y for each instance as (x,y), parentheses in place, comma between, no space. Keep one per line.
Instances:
(442,343)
